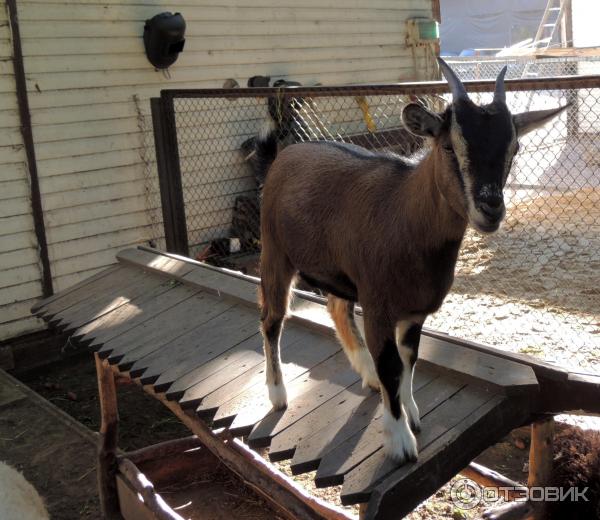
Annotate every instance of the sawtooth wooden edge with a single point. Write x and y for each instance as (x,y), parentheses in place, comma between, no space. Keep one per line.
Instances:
(38,308)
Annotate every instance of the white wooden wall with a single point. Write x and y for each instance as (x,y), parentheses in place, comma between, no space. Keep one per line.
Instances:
(89,84)
(19,269)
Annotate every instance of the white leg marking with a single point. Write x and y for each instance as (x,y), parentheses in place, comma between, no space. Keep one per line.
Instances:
(362,362)
(406,390)
(399,441)
(277,395)
(406,381)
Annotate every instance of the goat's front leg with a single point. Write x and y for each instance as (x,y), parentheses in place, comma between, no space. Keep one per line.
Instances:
(408,336)
(399,441)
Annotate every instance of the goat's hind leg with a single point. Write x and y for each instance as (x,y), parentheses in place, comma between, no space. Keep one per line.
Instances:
(274,295)
(399,441)
(342,313)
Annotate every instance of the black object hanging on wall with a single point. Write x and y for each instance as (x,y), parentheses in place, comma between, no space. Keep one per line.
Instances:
(164,39)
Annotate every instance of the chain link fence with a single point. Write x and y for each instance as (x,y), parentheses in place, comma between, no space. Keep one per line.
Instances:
(487,68)
(531,288)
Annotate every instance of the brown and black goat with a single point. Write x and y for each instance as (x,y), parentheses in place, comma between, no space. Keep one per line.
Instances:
(383,231)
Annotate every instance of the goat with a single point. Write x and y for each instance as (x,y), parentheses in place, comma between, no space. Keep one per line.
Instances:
(18,498)
(378,229)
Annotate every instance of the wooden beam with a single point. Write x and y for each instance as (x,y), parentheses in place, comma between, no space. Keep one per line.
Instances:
(107,444)
(541,456)
(152,500)
(489,478)
(162,449)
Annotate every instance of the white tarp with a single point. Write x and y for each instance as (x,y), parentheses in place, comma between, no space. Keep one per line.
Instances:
(477,24)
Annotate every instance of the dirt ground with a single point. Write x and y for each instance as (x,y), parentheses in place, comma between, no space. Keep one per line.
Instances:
(61,465)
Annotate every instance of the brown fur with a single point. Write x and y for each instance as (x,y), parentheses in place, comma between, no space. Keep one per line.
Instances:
(339,310)
(379,223)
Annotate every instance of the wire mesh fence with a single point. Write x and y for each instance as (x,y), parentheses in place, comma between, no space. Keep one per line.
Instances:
(523,67)
(532,287)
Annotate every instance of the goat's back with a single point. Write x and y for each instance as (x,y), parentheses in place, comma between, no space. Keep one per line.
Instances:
(317,194)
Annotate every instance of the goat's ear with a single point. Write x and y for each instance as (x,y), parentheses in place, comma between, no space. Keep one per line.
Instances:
(420,121)
(528,121)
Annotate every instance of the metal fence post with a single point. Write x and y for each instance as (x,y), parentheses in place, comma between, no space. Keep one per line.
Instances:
(169,175)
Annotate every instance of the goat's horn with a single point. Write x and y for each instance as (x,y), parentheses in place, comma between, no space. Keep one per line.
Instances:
(500,93)
(456,86)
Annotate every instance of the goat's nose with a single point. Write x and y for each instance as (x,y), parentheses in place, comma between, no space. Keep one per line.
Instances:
(492,208)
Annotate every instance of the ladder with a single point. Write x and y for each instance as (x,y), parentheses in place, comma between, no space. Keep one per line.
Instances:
(553,15)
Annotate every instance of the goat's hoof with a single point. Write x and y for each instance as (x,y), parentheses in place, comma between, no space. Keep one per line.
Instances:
(277,396)
(400,444)
(415,425)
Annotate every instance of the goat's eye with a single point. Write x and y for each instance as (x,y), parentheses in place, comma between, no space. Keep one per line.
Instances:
(448,148)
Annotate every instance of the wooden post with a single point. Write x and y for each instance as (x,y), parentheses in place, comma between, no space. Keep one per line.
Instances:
(362,510)
(541,455)
(106,467)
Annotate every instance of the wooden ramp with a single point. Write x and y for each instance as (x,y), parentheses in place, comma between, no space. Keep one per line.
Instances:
(190,332)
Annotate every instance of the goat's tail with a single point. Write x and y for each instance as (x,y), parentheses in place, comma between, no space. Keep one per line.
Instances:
(265,148)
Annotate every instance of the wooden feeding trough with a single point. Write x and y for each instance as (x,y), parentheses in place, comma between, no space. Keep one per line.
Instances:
(187,333)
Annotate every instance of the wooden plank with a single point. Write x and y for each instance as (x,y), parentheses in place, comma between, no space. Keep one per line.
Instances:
(99,29)
(19,276)
(323,430)
(65,299)
(105,300)
(315,4)
(193,395)
(73,62)
(232,397)
(399,493)
(15,328)
(326,427)
(95,334)
(233,285)
(352,401)
(24,291)
(495,373)
(360,446)
(234,362)
(169,326)
(443,418)
(139,13)
(16,224)
(176,268)
(541,368)
(121,319)
(323,382)
(203,343)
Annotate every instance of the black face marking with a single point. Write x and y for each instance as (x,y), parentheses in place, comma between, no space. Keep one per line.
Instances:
(412,338)
(337,284)
(389,369)
(486,141)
